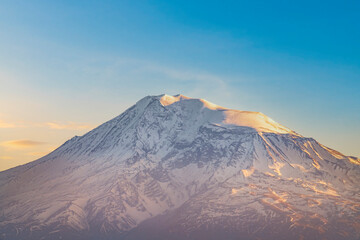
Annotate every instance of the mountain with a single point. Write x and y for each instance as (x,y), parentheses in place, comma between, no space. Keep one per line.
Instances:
(173,167)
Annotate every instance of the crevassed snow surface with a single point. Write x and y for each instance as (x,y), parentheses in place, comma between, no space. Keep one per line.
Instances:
(185,167)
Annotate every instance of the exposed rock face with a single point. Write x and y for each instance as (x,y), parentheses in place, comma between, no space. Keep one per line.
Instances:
(173,167)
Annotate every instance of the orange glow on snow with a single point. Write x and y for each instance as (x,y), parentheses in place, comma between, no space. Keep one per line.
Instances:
(248,172)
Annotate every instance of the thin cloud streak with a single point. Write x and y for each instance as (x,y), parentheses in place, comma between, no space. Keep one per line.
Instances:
(203,83)
(21,143)
(52,125)
(4,124)
(69,125)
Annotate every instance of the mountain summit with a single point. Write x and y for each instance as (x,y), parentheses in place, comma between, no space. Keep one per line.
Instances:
(174,167)
(223,116)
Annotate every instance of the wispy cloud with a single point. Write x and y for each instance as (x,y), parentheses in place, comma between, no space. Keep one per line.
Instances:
(4,124)
(125,68)
(52,125)
(69,125)
(201,81)
(21,143)
(191,81)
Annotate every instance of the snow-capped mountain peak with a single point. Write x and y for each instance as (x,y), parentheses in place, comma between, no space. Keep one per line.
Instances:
(224,116)
(174,167)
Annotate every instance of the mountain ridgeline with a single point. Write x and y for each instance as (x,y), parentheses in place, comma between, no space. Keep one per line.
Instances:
(173,167)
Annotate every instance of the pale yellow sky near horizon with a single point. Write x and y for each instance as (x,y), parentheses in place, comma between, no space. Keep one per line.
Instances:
(22,142)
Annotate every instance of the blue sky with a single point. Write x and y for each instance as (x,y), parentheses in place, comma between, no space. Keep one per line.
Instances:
(80,63)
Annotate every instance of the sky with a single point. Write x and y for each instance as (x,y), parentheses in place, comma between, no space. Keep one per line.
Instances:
(68,66)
